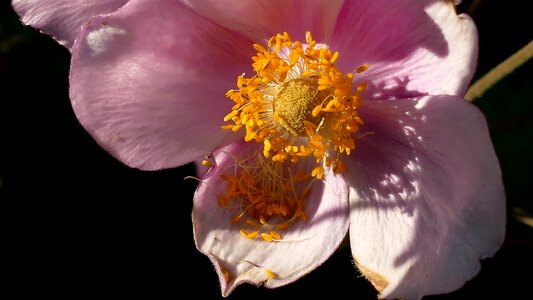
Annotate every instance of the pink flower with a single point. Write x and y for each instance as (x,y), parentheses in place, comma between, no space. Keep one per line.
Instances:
(359,127)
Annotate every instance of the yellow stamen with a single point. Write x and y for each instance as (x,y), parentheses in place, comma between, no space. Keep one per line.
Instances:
(318,172)
(267,237)
(266,192)
(362,68)
(249,235)
(270,274)
(252,223)
(282,226)
(236,219)
(207,163)
(299,106)
(361,87)
(275,236)
(286,98)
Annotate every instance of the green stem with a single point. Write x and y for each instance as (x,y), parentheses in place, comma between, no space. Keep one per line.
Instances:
(522,216)
(505,68)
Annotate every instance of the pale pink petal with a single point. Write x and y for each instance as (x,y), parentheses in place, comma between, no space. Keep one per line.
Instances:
(427,200)
(304,245)
(259,20)
(148,82)
(413,47)
(62,19)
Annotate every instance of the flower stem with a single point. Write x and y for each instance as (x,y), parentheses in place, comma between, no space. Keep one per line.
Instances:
(522,216)
(505,68)
(473,8)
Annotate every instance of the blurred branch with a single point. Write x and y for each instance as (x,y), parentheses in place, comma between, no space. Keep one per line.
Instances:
(522,216)
(472,9)
(499,72)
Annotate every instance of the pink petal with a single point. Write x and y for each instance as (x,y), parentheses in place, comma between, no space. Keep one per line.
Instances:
(259,20)
(62,19)
(148,82)
(413,47)
(427,200)
(305,245)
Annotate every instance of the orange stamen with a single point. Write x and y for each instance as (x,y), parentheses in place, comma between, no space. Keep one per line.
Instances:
(299,106)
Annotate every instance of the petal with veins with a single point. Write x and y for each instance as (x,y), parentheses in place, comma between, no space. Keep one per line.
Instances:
(259,20)
(304,245)
(62,19)
(148,82)
(426,198)
(413,47)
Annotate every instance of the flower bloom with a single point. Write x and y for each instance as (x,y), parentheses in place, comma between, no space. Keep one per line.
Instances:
(313,119)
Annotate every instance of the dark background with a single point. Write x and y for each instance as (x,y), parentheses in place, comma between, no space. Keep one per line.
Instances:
(77,222)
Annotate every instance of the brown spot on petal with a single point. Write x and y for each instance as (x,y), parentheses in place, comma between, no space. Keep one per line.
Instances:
(226,274)
(379,282)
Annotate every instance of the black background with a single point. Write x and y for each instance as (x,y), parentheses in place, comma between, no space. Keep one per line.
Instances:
(77,222)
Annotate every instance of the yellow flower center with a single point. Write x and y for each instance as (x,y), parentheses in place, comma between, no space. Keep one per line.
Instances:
(299,105)
(294,104)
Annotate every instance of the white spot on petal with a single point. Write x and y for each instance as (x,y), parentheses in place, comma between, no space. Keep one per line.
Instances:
(63,43)
(422,102)
(98,40)
(394,179)
(409,130)
(412,166)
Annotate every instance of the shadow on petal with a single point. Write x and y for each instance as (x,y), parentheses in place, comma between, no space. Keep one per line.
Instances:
(427,197)
(271,251)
